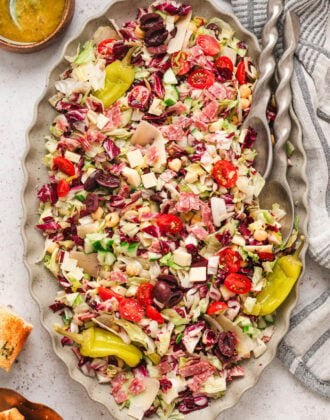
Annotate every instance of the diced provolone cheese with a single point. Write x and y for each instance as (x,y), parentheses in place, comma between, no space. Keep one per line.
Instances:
(149,180)
(135,158)
(197,274)
(132,176)
(181,257)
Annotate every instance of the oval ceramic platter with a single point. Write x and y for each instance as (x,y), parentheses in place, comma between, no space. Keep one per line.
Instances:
(42,284)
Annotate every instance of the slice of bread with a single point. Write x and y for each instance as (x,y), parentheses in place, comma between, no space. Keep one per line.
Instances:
(12,414)
(14,332)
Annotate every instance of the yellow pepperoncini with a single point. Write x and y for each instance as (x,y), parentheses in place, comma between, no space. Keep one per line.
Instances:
(96,342)
(278,284)
(119,76)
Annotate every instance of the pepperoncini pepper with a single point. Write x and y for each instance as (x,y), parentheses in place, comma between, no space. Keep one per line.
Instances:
(278,284)
(96,342)
(119,75)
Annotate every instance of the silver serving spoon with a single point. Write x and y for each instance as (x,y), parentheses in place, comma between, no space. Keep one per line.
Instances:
(277,189)
(256,118)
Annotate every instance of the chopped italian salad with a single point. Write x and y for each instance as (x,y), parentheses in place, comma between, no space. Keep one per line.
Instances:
(150,216)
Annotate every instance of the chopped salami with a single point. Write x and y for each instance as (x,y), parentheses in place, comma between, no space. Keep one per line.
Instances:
(187,202)
(137,386)
(164,367)
(69,143)
(151,156)
(218,90)
(178,108)
(196,382)
(119,394)
(194,367)
(118,380)
(173,131)
(236,371)
(114,115)
(167,175)
(95,136)
(210,110)
(118,276)
(207,216)
(199,232)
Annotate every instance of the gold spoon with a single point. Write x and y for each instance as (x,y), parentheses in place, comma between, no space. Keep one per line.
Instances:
(31,411)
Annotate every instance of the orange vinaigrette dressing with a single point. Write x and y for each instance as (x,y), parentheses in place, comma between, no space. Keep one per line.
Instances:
(29,20)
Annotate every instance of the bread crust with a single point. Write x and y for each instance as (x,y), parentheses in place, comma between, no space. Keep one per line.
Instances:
(11,414)
(14,332)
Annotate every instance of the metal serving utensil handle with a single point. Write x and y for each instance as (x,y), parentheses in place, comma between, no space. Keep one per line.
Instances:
(262,90)
(283,94)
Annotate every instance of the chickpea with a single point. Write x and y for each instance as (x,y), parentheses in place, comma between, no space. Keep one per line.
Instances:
(244,91)
(234,119)
(98,213)
(175,165)
(245,103)
(130,214)
(132,270)
(260,235)
(111,219)
(196,218)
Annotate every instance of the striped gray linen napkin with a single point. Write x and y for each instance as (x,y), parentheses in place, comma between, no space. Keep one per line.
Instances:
(306,348)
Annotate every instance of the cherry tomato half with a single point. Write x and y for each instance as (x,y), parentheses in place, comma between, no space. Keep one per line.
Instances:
(201,78)
(215,307)
(131,309)
(230,260)
(240,73)
(63,187)
(238,283)
(138,97)
(179,63)
(266,256)
(106,293)
(105,46)
(225,173)
(224,62)
(153,314)
(143,294)
(169,223)
(208,44)
(64,165)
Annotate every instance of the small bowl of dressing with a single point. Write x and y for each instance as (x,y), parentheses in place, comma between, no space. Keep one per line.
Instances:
(30,25)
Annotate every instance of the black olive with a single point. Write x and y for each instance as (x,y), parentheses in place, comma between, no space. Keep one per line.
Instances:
(156,35)
(175,298)
(169,278)
(91,182)
(214,28)
(107,180)
(161,292)
(149,20)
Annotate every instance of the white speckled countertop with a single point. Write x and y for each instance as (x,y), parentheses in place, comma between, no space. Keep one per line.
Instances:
(38,374)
